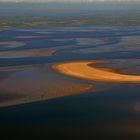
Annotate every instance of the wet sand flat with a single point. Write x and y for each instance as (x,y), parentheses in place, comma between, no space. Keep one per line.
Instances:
(19,85)
(27,53)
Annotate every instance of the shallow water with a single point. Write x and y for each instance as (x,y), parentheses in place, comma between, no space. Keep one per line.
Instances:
(108,109)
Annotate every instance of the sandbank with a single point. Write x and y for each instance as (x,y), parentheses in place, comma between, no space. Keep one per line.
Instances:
(85,71)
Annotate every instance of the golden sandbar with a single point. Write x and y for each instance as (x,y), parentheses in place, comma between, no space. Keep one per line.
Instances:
(85,71)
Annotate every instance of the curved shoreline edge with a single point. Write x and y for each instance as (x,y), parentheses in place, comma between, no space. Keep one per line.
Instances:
(83,70)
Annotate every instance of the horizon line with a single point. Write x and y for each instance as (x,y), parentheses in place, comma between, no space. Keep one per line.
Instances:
(84,1)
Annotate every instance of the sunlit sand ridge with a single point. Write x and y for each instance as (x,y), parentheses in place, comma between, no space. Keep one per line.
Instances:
(85,71)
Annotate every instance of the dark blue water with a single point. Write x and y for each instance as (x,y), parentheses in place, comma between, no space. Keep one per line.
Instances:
(100,114)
